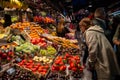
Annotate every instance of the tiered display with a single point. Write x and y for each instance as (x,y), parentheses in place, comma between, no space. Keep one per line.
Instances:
(35,54)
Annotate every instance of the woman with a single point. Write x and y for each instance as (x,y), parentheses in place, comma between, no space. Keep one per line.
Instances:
(101,55)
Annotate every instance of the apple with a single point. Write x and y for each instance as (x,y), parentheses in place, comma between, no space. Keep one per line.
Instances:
(4,55)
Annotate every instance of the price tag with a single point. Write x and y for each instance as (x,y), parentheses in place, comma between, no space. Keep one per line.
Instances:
(11,71)
(18,59)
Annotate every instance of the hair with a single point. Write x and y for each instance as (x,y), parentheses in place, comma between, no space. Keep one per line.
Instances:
(100,13)
(85,22)
(7,19)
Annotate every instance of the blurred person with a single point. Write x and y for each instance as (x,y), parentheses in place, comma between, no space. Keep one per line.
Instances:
(7,19)
(61,30)
(116,41)
(101,57)
(100,19)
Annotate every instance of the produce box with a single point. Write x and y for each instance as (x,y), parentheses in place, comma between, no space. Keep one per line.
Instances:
(4,68)
(38,69)
(66,66)
(17,73)
(6,53)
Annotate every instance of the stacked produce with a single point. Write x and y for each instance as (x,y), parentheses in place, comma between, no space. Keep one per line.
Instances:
(39,41)
(66,65)
(72,60)
(17,39)
(25,50)
(16,73)
(43,59)
(6,54)
(43,19)
(39,55)
(5,32)
(36,68)
(31,27)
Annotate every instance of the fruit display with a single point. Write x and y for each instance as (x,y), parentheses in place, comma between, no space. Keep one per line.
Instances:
(17,39)
(5,32)
(66,43)
(6,54)
(39,41)
(40,56)
(31,29)
(16,73)
(27,48)
(72,60)
(36,68)
(43,59)
(66,66)
(49,51)
(43,19)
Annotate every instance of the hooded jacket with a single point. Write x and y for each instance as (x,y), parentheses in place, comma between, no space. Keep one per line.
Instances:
(101,52)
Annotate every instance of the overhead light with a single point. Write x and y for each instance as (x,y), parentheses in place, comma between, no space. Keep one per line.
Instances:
(90,5)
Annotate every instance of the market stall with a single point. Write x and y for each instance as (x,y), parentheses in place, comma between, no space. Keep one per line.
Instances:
(30,49)
(32,53)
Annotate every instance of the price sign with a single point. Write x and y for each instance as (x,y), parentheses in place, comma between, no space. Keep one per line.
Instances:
(18,59)
(11,71)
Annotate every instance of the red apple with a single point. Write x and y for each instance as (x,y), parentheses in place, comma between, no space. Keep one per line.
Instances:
(4,55)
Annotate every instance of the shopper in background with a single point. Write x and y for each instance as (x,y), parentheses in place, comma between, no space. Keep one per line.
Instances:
(61,29)
(7,19)
(101,55)
(100,18)
(116,41)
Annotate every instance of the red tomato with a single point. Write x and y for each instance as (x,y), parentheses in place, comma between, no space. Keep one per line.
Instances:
(53,68)
(33,69)
(30,61)
(72,64)
(62,68)
(74,69)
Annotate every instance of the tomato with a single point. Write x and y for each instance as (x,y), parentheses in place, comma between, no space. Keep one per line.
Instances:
(74,69)
(58,61)
(30,61)
(44,70)
(67,55)
(62,68)
(40,70)
(53,68)
(33,69)
(43,73)
(46,67)
(61,63)
(72,64)
(28,64)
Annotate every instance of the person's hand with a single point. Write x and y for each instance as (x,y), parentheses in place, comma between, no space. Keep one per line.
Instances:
(119,43)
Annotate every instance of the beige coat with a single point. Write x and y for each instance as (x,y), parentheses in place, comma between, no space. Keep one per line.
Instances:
(100,50)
